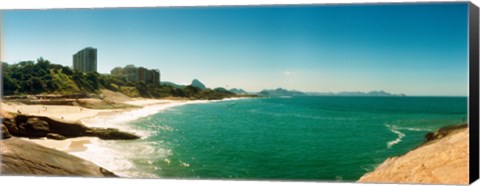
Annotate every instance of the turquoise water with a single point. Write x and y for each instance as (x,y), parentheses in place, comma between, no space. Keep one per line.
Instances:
(298,138)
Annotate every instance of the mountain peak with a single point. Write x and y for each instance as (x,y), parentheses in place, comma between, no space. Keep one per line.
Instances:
(198,84)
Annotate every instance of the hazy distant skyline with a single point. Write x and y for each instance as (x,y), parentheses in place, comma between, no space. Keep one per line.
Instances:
(418,49)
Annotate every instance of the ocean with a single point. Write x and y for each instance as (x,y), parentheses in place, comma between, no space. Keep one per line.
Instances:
(291,138)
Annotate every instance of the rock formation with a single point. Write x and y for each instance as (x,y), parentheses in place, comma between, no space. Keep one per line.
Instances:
(444,159)
(55,136)
(5,134)
(21,157)
(40,126)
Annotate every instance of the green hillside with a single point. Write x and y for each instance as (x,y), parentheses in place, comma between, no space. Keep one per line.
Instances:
(44,77)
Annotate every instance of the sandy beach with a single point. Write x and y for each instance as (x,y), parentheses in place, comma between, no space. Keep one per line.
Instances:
(58,112)
(80,114)
(68,145)
(151,102)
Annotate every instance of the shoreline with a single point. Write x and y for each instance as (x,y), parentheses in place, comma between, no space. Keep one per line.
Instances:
(83,115)
(104,118)
(122,120)
(390,170)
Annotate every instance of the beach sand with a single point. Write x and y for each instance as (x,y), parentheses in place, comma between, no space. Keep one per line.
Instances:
(150,102)
(58,112)
(67,145)
(79,114)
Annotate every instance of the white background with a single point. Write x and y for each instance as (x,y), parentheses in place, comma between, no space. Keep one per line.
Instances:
(45,4)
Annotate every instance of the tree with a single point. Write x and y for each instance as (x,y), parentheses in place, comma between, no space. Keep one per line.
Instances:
(10,85)
(191,90)
(142,89)
(43,64)
(117,71)
(92,79)
(81,80)
(67,71)
(178,92)
(36,85)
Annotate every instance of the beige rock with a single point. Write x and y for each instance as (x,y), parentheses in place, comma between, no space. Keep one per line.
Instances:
(21,157)
(441,161)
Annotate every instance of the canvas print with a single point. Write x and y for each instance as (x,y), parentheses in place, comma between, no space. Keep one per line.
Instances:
(370,93)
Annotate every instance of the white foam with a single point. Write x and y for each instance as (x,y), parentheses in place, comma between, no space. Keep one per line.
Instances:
(114,119)
(121,119)
(117,156)
(413,129)
(99,153)
(395,130)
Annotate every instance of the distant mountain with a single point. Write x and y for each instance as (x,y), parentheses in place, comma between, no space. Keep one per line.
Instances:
(355,93)
(238,91)
(371,93)
(198,84)
(281,92)
(378,93)
(320,94)
(172,84)
(221,89)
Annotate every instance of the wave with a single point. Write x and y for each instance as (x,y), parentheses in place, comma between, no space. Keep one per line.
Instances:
(122,119)
(413,129)
(395,130)
(121,157)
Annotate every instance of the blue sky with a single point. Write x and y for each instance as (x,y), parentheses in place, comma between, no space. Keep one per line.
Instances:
(416,49)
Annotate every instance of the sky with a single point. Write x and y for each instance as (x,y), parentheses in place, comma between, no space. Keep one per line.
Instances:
(415,49)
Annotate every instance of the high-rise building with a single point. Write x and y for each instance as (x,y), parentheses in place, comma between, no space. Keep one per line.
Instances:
(138,74)
(85,60)
(156,77)
(130,72)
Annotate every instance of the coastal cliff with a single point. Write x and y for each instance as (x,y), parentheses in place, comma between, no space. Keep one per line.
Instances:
(443,159)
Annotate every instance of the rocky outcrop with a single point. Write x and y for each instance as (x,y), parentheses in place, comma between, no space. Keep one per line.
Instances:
(110,134)
(444,159)
(444,131)
(40,126)
(35,127)
(55,136)
(21,157)
(5,134)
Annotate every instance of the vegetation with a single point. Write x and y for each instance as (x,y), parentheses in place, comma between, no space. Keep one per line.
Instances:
(43,77)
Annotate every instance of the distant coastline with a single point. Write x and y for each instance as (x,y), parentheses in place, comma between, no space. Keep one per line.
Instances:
(285,92)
